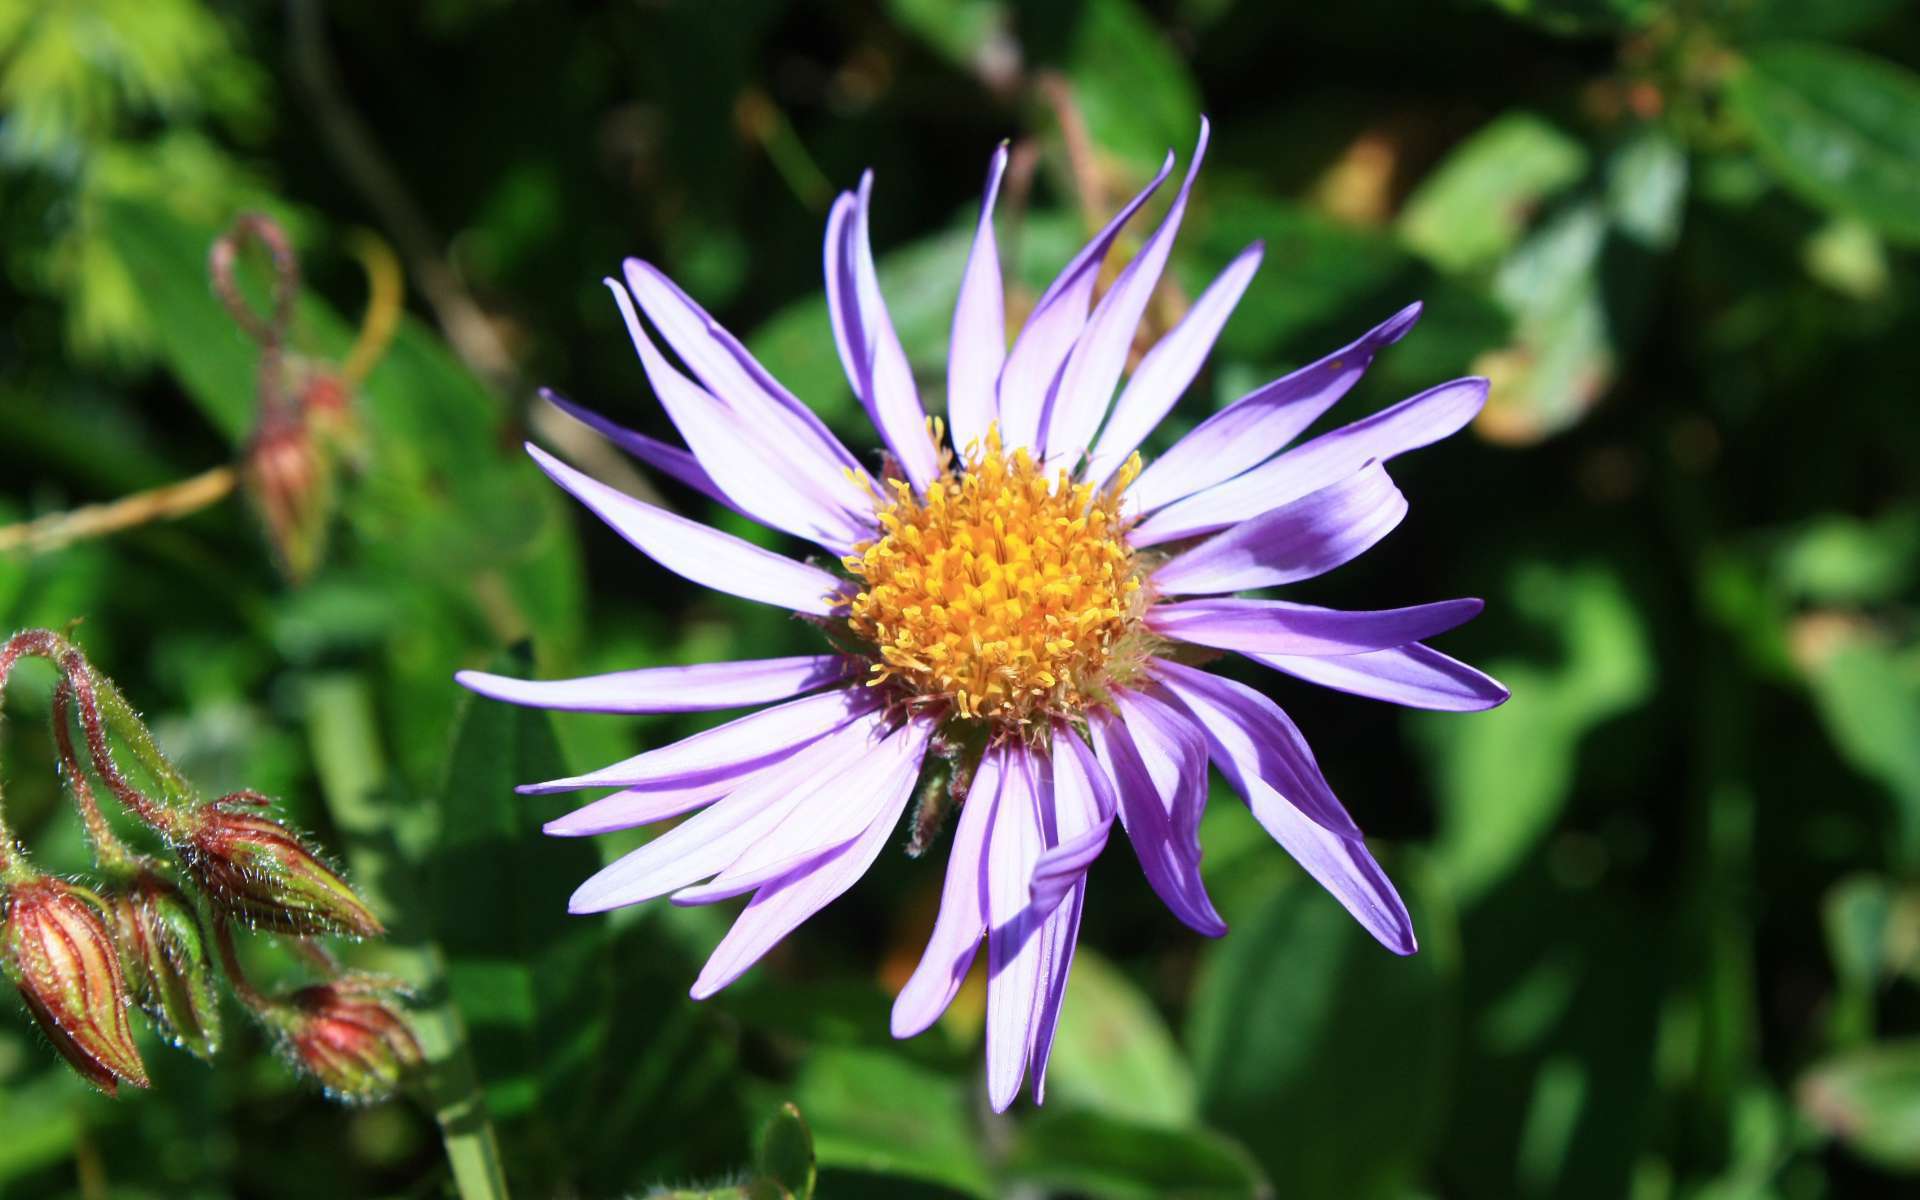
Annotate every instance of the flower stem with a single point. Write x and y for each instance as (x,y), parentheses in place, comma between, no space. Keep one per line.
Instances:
(236,974)
(168,502)
(111,852)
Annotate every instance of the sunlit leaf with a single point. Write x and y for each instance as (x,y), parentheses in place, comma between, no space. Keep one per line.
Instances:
(1839,127)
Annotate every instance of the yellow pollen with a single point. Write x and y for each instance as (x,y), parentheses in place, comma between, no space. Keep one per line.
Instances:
(1000,594)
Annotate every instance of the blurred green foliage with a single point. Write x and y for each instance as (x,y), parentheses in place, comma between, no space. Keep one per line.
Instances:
(1669,896)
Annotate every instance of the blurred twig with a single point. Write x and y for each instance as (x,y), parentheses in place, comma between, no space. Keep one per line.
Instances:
(166,503)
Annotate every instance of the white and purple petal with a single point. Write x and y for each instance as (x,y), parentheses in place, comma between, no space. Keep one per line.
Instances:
(1420,421)
(1299,540)
(1166,370)
(694,551)
(1256,426)
(979,344)
(963,907)
(1279,627)
(1147,804)
(1033,365)
(1099,354)
(1413,675)
(702,687)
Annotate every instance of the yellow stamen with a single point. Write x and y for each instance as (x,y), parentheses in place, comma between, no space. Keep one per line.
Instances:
(998,593)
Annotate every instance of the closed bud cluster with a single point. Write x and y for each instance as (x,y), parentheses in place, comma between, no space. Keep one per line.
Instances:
(350,1037)
(164,953)
(263,874)
(59,952)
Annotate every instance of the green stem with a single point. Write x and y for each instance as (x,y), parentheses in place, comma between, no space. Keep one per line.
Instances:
(108,848)
(343,729)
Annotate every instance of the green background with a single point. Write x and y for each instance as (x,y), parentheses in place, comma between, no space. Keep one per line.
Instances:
(1668,897)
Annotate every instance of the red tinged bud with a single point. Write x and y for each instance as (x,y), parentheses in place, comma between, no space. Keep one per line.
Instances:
(57,949)
(164,954)
(348,1035)
(264,875)
(288,475)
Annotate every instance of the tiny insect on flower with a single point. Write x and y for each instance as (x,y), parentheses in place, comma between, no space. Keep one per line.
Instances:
(56,948)
(1028,599)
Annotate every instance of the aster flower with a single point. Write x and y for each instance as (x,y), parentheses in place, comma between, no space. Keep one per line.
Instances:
(1029,603)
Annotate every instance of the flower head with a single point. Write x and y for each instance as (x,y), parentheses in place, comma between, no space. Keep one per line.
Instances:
(1030,601)
(55,946)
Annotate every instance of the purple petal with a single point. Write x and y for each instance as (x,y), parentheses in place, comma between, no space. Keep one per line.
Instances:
(1033,365)
(1342,865)
(1309,537)
(699,688)
(725,751)
(782,905)
(1083,813)
(1408,425)
(634,807)
(739,452)
(963,909)
(710,842)
(1057,939)
(694,551)
(1250,738)
(869,349)
(1013,950)
(1414,675)
(667,459)
(1166,371)
(1171,870)
(1254,427)
(1100,353)
(1277,627)
(880,782)
(720,362)
(979,344)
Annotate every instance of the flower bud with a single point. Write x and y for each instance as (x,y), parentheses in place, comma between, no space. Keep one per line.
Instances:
(347,1035)
(288,475)
(259,871)
(163,952)
(58,951)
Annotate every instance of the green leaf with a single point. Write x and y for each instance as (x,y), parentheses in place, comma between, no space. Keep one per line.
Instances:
(1300,1021)
(1870,1100)
(1503,776)
(1579,288)
(529,980)
(1114,1054)
(876,1112)
(1868,696)
(1581,17)
(1474,206)
(1134,90)
(1087,1154)
(1839,127)
(975,35)
(1800,18)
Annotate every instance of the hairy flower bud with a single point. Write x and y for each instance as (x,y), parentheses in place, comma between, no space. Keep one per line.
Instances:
(348,1035)
(263,874)
(58,951)
(163,951)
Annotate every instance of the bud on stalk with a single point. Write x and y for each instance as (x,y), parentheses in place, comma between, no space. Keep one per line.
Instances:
(261,873)
(163,951)
(348,1036)
(57,949)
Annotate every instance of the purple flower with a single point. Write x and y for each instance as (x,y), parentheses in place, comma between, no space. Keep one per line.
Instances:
(1028,604)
